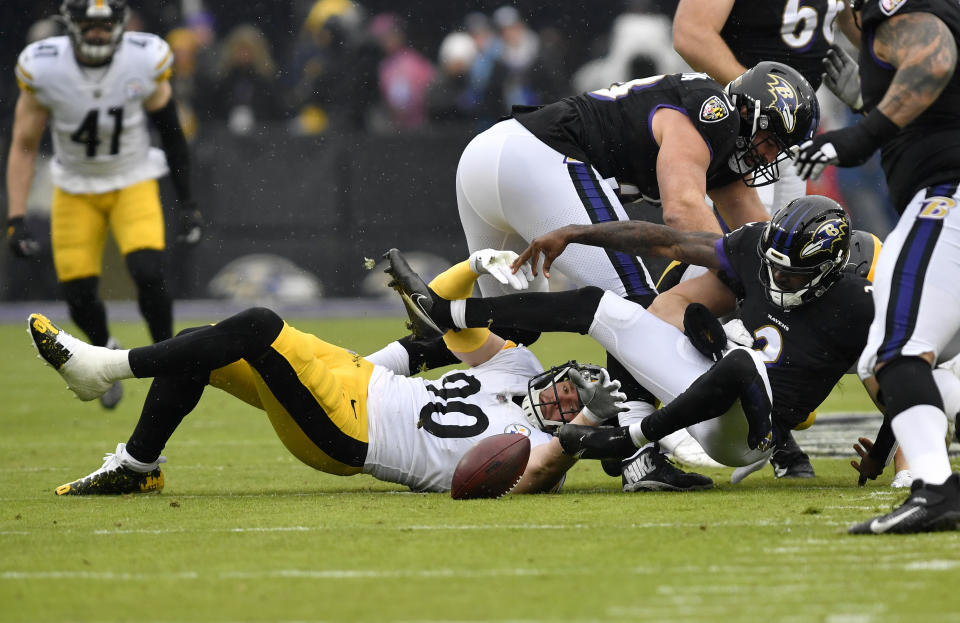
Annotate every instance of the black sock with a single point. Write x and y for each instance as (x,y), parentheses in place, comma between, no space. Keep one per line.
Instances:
(246,335)
(427,354)
(156,305)
(86,309)
(169,400)
(570,311)
(711,395)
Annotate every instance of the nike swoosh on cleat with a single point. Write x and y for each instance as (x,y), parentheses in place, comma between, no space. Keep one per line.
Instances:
(416,298)
(881,525)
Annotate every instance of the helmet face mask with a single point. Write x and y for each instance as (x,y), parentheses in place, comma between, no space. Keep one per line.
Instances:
(95,28)
(548,404)
(803,250)
(778,110)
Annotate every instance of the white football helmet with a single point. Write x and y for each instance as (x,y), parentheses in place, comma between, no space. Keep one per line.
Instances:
(542,392)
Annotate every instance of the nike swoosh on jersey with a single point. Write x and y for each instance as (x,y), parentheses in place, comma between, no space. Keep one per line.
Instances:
(353,405)
(881,524)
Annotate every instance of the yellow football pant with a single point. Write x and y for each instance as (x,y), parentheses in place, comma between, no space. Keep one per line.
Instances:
(79,226)
(325,385)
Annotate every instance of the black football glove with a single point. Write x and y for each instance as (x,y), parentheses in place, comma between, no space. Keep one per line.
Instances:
(189,223)
(847,147)
(21,241)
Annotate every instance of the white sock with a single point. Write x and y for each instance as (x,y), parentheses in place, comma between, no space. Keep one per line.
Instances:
(116,364)
(920,431)
(392,356)
(458,313)
(636,435)
(636,411)
(127,460)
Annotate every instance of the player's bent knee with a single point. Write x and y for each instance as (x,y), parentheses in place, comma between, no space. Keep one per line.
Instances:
(590,295)
(907,382)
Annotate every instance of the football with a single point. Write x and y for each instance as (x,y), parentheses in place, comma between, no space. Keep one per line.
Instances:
(491,468)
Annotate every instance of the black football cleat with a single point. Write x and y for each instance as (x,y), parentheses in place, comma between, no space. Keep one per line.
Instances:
(788,459)
(416,296)
(649,470)
(115,478)
(930,508)
(596,442)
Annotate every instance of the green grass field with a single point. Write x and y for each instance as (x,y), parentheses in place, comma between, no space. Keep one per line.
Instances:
(243,532)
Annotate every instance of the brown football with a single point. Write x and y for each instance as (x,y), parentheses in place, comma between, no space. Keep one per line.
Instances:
(491,467)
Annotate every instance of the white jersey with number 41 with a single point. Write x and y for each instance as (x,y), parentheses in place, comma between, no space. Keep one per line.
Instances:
(98,122)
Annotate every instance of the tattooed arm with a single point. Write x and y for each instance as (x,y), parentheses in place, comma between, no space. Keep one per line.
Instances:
(924,52)
(633,237)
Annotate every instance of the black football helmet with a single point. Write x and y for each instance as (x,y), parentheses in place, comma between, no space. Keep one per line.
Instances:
(776,98)
(542,392)
(80,16)
(803,250)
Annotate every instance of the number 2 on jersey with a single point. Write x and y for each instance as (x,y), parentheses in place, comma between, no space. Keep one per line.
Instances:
(89,131)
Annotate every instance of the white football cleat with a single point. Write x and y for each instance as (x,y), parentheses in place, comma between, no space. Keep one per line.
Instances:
(77,362)
(902,479)
(686,450)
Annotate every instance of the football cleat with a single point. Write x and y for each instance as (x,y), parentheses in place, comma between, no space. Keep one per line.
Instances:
(417,297)
(686,450)
(649,470)
(788,460)
(902,479)
(117,477)
(930,508)
(113,395)
(75,360)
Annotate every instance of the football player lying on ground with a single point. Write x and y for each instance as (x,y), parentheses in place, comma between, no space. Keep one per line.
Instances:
(333,409)
(805,315)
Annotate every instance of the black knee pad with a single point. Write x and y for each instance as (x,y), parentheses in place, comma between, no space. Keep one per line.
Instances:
(736,367)
(81,292)
(145,266)
(907,382)
(257,321)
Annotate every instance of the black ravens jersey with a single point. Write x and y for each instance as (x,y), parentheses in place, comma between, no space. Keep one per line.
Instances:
(611,129)
(797,33)
(926,151)
(806,349)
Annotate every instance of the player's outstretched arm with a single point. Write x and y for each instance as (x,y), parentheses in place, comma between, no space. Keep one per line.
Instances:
(633,237)
(30,120)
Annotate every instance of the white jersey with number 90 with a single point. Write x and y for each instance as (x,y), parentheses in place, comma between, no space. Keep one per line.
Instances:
(454,412)
(98,123)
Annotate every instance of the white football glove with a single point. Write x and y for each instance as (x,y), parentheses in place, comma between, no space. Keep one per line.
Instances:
(601,397)
(497,265)
(813,157)
(842,76)
(738,334)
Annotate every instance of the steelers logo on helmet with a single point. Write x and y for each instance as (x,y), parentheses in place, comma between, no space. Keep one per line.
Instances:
(803,250)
